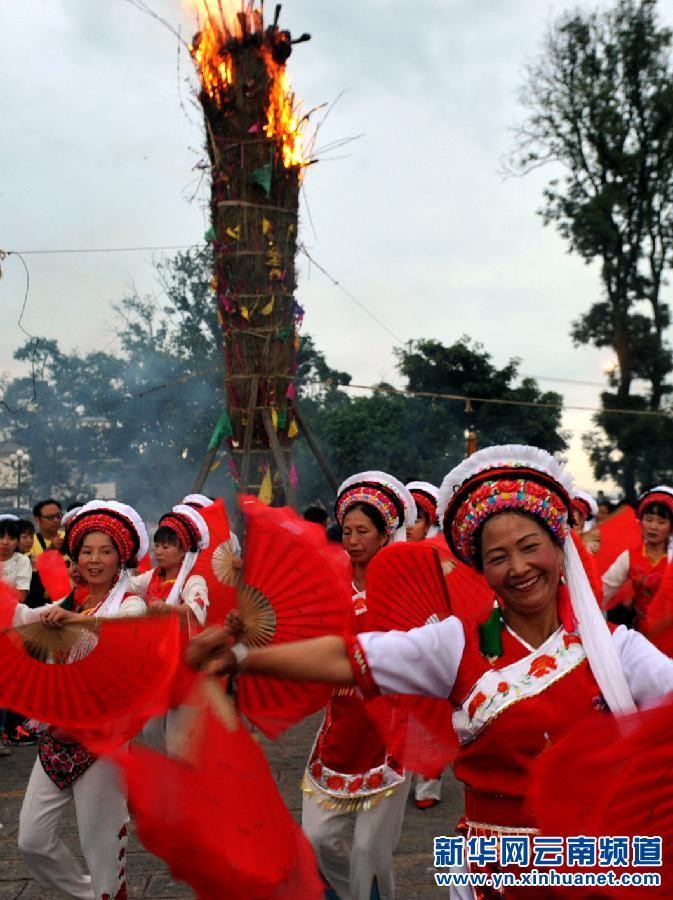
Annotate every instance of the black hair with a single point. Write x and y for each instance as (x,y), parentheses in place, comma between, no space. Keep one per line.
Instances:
(479,565)
(37,509)
(316,514)
(26,527)
(372,514)
(166,535)
(334,533)
(658,509)
(10,527)
(423,513)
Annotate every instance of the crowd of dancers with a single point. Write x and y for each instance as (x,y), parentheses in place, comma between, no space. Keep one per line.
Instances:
(543,617)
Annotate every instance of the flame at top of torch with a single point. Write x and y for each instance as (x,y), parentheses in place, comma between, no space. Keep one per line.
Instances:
(225,23)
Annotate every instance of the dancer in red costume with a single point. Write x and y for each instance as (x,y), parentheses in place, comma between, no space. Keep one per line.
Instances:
(645,564)
(545,658)
(181,535)
(103,538)
(349,772)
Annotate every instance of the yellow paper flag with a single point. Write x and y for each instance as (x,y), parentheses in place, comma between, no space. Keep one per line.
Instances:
(274,419)
(268,309)
(266,488)
(266,226)
(293,431)
(245,312)
(234,233)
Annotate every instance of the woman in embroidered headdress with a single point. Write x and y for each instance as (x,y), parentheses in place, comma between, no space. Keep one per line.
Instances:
(544,659)
(349,772)
(103,538)
(181,535)
(645,564)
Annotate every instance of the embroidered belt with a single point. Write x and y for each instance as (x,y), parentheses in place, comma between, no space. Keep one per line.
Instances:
(63,762)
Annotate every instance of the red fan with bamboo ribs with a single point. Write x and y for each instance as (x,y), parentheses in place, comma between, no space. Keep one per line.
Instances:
(290,591)
(218,819)
(612,776)
(120,675)
(218,563)
(406,589)
(470,597)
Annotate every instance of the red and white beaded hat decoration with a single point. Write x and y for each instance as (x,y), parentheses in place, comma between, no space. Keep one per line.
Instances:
(119,521)
(385,493)
(516,477)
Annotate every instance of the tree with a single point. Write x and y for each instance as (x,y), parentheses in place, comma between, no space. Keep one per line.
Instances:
(599,101)
(141,419)
(415,437)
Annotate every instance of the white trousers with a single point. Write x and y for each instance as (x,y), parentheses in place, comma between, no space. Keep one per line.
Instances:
(428,788)
(102,819)
(351,870)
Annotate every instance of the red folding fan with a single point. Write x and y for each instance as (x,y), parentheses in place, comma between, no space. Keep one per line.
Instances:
(9,597)
(218,563)
(657,622)
(406,588)
(290,591)
(619,532)
(611,776)
(470,597)
(122,674)
(219,820)
(53,574)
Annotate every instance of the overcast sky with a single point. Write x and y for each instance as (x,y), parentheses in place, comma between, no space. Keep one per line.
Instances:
(99,144)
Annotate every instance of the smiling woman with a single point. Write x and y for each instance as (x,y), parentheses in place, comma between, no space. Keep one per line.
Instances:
(102,538)
(543,660)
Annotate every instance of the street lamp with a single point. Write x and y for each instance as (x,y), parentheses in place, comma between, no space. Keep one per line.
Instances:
(19,459)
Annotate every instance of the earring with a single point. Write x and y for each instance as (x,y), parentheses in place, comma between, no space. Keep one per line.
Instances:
(561,577)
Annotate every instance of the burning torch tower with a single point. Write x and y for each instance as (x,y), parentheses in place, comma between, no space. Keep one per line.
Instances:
(254,141)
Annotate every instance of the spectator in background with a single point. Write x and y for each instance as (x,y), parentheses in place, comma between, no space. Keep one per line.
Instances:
(47,515)
(26,537)
(16,568)
(17,571)
(317,514)
(36,593)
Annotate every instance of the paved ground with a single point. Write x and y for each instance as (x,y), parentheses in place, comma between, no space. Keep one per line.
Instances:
(149,878)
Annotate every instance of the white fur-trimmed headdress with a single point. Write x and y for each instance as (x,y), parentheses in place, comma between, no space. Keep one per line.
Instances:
(197,501)
(189,525)
(118,520)
(425,497)
(587,505)
(516,477)
(385,493)
(662,494)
